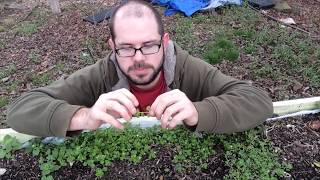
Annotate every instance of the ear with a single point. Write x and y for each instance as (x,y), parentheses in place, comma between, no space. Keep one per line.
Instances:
(165,39)
(111,44)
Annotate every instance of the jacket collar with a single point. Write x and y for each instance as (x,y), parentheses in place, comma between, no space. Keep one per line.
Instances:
(168,66)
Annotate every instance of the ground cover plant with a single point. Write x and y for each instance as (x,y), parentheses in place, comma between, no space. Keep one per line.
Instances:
(38,47)
(247,155)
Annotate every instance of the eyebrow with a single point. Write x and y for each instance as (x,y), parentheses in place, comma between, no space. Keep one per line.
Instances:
(129,44)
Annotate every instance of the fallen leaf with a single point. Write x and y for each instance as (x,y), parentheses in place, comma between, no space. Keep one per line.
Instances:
(2,171)
(5,79)
(315,125)
(287,21)
(317,164)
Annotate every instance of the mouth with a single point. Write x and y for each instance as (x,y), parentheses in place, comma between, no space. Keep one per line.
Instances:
(140,69)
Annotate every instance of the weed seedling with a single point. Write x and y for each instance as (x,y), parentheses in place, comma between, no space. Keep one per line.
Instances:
(9,145)
(3,101)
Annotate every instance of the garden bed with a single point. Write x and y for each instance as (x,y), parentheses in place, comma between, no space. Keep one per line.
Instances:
(288,148)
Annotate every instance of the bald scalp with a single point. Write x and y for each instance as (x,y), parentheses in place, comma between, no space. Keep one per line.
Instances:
(135,9)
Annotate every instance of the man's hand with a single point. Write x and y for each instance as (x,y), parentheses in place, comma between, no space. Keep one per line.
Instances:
(108,107)
(174,108)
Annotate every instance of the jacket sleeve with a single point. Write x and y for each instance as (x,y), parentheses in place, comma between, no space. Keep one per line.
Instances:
(224,104)
(47,111)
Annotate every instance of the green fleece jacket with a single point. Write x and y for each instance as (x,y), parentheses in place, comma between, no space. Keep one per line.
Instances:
(224,104)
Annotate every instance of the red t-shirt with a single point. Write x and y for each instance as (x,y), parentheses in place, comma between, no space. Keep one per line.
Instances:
(147,96)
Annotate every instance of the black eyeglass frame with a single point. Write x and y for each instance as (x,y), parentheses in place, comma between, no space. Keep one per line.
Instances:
(140,49)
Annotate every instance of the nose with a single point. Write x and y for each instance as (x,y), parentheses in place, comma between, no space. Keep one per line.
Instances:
(138,56)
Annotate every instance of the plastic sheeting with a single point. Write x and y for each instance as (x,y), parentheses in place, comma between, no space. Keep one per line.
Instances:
(188,7)
(216,3)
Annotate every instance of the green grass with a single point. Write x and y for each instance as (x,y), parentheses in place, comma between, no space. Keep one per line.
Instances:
(221,49)
(97,46)
(60,66)
(183,33)
(270,48)
(7,71)
(34,57)
(2,29)
(246,34)
(14,86)
(317,54)
(27,27)
(86,58)
(3,101)
(42,79)
(2,44)
(38,17)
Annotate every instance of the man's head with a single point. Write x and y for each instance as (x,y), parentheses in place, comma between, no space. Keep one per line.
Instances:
(138,39)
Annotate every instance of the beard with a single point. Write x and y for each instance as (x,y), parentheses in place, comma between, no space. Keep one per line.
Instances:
(142,64)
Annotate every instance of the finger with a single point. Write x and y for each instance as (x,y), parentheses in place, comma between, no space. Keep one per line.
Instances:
(130,96)
(161,103)
(115,106)
(174,95)
(114,114)
(108,119)
(170,112)
(124,100)
(177,119)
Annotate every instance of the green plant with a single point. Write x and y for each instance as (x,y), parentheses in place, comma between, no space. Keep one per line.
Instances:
(250,48)
(42,79)
(264,71)
(247,154)
(313,75)
(2,29)
(264,37)
(245,34)
(199,18)
(40,15)
(8,145)
(3,101)
(317,54)
(221,49)
(283,53)
(104,146)
(34,57)
(27,28)
(7,71)
(183,33)
(60,66)
(2,44)
(14,86)
(250,158)
(86,58)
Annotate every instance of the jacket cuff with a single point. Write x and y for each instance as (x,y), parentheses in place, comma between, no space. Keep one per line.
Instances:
(60,120)
(207,116)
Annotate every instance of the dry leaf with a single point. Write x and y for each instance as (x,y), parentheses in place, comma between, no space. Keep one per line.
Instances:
(315,125)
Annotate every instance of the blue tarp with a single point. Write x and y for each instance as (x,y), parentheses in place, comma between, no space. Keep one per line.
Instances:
(188,7)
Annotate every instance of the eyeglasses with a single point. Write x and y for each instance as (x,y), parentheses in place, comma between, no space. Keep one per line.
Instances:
(145,50)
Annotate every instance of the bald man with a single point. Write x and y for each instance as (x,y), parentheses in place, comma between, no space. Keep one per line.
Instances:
(146,71)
